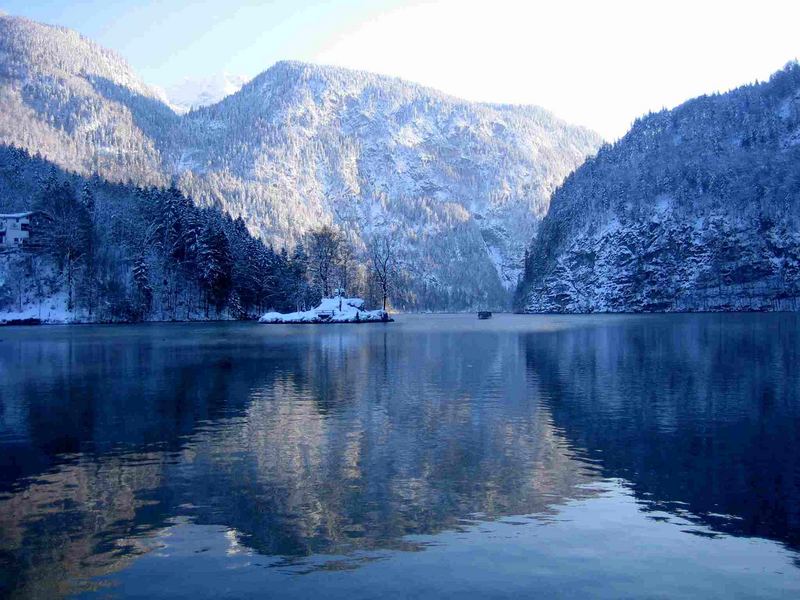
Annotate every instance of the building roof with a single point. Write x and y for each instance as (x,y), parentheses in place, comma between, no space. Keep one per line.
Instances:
(18,215)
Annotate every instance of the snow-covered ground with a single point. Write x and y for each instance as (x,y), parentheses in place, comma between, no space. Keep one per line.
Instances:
(23,303)
(50,310)
(330,310)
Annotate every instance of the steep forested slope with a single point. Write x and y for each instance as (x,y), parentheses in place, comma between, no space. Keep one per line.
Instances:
(460,186)
(78,104)
(696,208)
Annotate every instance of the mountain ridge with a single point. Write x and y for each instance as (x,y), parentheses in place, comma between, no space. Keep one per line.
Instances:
(40,44)
(461,185)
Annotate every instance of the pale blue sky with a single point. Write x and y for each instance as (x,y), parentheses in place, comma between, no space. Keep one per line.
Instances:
(168,40)
(597,63)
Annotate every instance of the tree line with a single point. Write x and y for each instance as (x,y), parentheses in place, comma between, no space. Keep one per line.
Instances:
(119,252)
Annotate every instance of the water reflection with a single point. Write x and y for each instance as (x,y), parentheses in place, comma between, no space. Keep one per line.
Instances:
(339,442)
(701,414)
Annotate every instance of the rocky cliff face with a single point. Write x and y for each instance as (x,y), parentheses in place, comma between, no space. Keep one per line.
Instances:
(694,209)
(461,186)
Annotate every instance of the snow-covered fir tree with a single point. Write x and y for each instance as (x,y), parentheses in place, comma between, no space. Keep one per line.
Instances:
(116,252)
(696,208)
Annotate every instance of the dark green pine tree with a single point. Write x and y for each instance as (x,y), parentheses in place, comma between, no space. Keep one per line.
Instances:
(215,266)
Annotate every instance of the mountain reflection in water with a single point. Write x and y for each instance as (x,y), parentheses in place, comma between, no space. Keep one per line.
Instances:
(320,449)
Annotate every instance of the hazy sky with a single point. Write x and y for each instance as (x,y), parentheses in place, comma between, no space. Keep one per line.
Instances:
(597,63)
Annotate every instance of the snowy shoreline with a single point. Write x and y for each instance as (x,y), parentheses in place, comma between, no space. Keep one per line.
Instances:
(34,321)
(330,310)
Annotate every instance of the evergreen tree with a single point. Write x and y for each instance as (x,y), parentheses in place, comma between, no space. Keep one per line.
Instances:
(215,266)
(141,278)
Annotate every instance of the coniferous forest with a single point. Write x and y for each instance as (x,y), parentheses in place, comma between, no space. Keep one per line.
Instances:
(117,252)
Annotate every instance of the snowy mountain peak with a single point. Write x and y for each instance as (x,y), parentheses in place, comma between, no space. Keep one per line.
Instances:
(353,81)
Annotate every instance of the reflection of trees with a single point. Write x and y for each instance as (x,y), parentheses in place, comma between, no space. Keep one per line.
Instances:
(377,453)
(322,441)
(700,409)
(83,519)
(90,416)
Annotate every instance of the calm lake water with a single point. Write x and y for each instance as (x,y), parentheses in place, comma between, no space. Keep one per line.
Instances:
(438,456)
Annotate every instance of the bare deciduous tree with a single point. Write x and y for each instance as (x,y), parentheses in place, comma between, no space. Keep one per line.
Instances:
(346,265)
(383,262)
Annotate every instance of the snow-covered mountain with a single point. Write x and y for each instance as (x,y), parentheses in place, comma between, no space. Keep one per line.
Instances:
(461,186)
(76,103)
(191,93)
(696,208)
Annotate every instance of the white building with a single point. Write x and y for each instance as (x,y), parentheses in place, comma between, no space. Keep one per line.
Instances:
(15,229)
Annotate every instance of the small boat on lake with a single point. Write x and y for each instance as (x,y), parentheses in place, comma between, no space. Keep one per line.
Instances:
(484,314)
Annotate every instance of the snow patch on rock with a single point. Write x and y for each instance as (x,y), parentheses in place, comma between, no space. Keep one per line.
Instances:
(331,310)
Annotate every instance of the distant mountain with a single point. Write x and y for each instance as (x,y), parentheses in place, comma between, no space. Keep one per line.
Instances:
(461,186)
(696,208)
(192,93)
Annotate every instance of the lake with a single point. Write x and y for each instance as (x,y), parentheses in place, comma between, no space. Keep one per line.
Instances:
(437,456)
